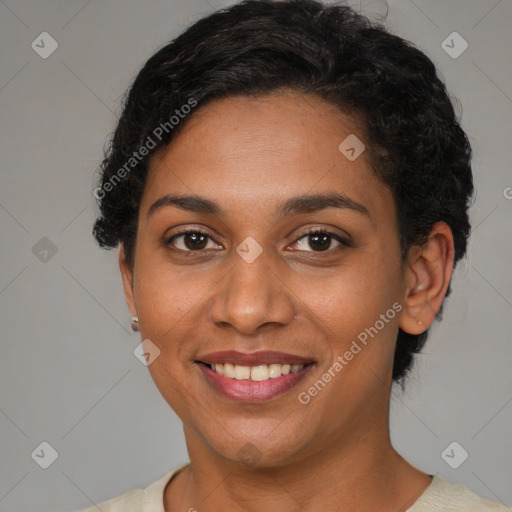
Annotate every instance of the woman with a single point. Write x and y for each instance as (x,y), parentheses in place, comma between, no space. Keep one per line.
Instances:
(288,185)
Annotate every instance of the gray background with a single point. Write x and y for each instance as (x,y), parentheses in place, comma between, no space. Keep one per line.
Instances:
(68,375)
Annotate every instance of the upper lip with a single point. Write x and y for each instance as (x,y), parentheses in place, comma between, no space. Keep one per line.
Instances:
(252,358)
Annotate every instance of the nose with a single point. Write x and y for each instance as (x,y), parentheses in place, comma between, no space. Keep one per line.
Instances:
(251,296)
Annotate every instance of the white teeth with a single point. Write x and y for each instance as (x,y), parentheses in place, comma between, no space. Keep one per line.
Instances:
(242,372)
(274,370)
(229,370)
(260,372)
(255,373)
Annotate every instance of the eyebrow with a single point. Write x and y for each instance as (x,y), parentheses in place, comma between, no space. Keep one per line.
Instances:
(294,205)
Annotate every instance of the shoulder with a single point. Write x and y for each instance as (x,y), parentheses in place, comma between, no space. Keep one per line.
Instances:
(127,502)
(443,496)
(149,498)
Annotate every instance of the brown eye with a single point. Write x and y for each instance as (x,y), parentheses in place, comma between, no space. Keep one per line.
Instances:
(191,241)
(319,241)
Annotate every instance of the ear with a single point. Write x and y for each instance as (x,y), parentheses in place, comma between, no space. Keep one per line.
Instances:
(428,273)
(127,275)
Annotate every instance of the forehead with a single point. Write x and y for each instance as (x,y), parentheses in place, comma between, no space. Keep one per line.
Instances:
(260,150)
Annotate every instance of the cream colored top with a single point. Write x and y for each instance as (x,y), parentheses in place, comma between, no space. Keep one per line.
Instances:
(440,496)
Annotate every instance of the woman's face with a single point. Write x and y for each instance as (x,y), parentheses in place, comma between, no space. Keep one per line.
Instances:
(239,284)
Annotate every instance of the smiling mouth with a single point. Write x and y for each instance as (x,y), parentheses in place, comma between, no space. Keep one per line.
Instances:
(254,382)
(258,373)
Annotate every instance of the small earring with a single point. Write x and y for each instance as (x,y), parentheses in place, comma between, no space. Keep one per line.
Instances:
(135,324)
(420,323)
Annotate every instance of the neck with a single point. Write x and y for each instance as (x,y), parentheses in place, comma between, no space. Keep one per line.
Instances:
(365,474)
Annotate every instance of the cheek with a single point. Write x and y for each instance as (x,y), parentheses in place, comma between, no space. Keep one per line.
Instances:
(164,297)
(168,307)
(356,305)
(355,310)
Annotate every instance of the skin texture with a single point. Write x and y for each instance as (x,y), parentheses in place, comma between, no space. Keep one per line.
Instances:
(250,155)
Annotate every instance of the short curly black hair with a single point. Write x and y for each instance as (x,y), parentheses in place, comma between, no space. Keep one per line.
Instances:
(415,142)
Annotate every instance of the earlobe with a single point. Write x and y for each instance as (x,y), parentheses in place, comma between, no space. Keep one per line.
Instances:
(127,276)
(428,274)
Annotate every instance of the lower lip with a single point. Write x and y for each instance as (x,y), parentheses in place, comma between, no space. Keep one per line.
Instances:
(253,391)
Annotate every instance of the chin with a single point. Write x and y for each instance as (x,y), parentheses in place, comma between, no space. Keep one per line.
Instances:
(256,444)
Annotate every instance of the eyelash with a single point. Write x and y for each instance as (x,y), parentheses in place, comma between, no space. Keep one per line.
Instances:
(313,231)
